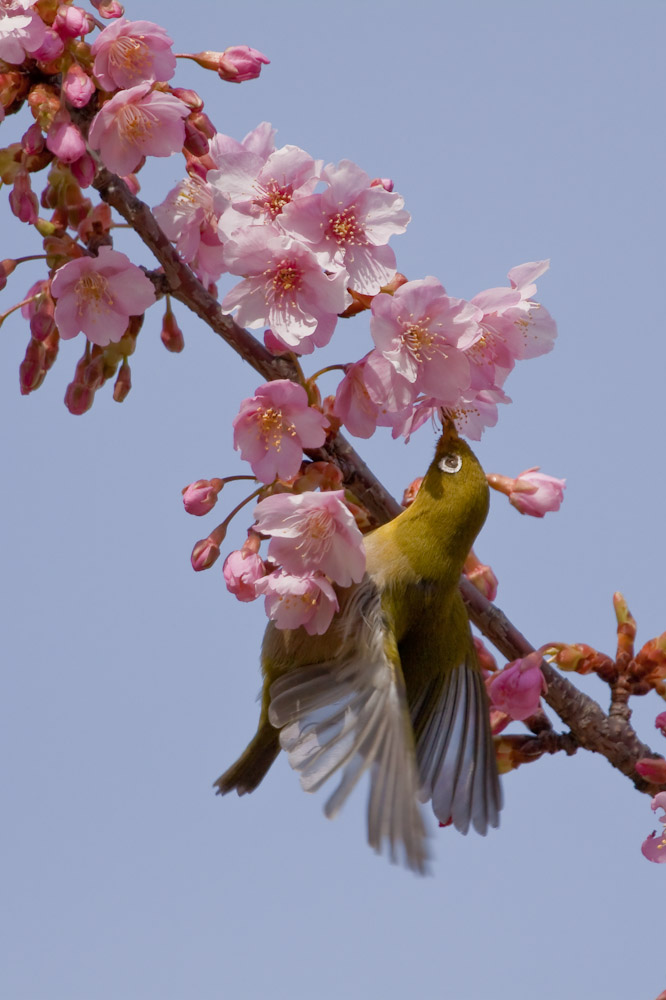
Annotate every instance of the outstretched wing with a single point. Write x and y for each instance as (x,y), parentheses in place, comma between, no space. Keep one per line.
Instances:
(349,714)
(454,749)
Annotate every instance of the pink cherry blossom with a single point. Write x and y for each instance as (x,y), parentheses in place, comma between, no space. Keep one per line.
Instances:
(545,493)
(372,394)
(240,63)
(514,326)
(313,531)
(654,847)
(128,53)
(98,295)
(188,218)
(284,288)
(660,723)
(308,600)
(423,333)
(274,426)
(241,572)
(77,86)
(64,139)
(517,688)
(255,190)
(21,30)
(227,152)
(137,123)
(349,225)
(477,410)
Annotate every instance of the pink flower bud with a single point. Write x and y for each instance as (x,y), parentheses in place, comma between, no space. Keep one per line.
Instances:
(22,199)
(660,723)
(239,63)
(481,576)
(79,398)
(384,182)
(83,170)
(64,139)
(108,8)
(51,48)
(241,572)
(33,140)
(171,335)
(32,369)
(77,86)
(532,492)
(70,21)
(204,554)
(200,497)
(189,97)
(653,769)
(123,383)
(517,688)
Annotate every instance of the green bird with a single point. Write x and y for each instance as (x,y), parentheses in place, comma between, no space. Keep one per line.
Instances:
(394,687)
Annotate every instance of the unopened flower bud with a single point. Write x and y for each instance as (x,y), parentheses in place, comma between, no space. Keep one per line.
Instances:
(32,369)
(203,123)
(77,86)
(653,769)
(123,383)
(481,576)
(200,497)
(532,492)
(195,141)
(517,688)
(409,496)
(189,97)
(660,723)
(241,572)
(108,8)
(79,398)
(44,101)
(14,87)
(22,199)
(239,63)
(205,553)
(51,345)
(83,170)
(72,22)
(33,140)
(51,48)
(384,182)
(64,139)
(171,334)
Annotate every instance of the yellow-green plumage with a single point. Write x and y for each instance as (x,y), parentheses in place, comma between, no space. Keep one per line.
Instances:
(394,686)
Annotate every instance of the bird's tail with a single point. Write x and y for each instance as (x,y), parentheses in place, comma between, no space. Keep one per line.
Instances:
(454,748)
(253,764)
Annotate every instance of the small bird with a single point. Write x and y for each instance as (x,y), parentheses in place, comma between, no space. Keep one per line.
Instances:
(394,687)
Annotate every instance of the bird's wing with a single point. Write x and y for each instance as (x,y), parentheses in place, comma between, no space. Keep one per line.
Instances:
(454,748)
(349,714)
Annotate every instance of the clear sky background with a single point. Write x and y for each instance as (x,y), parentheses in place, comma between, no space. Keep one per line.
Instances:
(515,131)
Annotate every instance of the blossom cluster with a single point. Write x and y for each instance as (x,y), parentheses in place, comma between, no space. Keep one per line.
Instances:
(106,102)
(315,545)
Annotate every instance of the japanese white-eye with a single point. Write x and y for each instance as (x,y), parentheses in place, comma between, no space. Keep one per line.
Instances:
(394,686)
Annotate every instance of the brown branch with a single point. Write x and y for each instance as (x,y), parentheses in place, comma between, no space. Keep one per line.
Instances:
(590,728)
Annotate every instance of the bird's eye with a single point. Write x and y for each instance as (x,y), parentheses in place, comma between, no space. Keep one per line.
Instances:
(450,463)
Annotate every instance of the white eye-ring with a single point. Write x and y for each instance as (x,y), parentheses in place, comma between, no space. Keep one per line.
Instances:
(450,463)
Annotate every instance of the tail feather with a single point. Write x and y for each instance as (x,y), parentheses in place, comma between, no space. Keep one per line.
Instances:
(253,764)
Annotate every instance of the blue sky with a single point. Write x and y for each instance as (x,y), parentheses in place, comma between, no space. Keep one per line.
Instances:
(515,132)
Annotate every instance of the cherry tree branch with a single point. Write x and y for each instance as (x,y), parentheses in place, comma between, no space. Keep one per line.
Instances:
(590,728)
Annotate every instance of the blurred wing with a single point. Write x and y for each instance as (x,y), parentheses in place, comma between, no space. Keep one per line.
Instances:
(455,750)
(349,714)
